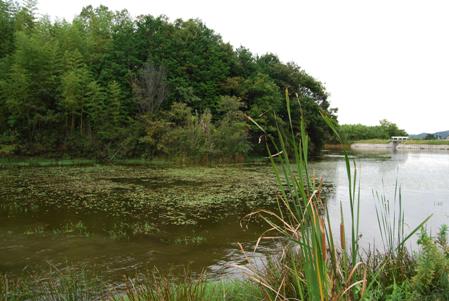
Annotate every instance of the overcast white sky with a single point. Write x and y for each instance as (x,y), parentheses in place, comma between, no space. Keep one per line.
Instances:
(378,59)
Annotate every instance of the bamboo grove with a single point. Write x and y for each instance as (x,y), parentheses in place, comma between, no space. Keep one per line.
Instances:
(106,85)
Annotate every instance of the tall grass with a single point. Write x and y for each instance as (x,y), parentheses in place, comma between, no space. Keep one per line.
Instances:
(313,266)
(390,216)
(189,288)
(66,284)
(74,285)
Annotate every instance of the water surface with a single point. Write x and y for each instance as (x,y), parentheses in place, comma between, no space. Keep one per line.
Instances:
(125,219)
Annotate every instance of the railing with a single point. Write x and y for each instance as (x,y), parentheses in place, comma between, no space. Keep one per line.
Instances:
(399,138)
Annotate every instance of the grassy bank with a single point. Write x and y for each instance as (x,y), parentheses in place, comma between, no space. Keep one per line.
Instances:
(411,141)
(78,285)
(11,161)
(428,142)
(395,275)
(55,162)
(372,141)
(337,147)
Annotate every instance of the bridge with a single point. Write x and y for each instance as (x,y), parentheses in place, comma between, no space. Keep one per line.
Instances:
(399,138)
(395,140)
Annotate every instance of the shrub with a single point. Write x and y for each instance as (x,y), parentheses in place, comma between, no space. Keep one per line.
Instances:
(432,272)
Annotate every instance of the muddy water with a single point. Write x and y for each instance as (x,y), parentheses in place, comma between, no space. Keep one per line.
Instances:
(121,219)
(125,219)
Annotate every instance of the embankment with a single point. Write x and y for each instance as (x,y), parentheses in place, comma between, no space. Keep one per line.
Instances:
(401,146)
(423,147)
(369,146)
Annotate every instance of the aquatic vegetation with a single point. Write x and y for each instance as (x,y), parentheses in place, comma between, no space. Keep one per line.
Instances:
(66,284)
(128,230)
(144,229)
(79,284)
(190,240)
(72,228)
(39,229)
(36,162)
(69,228)
(139,193)
(118,232)
(189,289)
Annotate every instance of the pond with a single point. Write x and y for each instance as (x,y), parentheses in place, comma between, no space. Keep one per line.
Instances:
(124,219)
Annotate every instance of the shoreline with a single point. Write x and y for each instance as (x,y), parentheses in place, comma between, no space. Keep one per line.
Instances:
(401,146)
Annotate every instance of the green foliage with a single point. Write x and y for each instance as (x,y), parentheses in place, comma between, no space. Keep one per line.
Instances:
(428,142)
(66,284)
(77,284)
(432,271)
(191,136)
(104,86)
(231,135)
(7,28)
(312,266)
(355,132)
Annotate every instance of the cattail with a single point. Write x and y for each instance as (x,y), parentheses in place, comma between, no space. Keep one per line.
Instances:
(365,281)
(342,236)
(342,229)
(323,239)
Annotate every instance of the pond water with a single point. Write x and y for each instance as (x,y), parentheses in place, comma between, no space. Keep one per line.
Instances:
(125,219)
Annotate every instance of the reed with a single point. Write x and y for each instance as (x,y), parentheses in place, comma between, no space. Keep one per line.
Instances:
(312,266)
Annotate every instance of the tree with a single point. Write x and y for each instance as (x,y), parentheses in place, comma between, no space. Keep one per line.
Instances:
(108,85)
(114,103)
(7,28)
(75,83)
(231,135)
(150,88)
(385,130)
(391,129)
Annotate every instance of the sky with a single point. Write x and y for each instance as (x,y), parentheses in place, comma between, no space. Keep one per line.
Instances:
(378,59)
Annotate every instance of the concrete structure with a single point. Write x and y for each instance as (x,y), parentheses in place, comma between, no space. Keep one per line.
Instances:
(399,138)
(371,146)
(395,140)
(429,147)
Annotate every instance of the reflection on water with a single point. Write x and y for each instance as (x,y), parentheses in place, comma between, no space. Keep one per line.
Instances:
(423,177)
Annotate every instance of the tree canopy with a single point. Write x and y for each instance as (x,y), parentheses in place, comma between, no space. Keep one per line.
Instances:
(385,130)
(108,85)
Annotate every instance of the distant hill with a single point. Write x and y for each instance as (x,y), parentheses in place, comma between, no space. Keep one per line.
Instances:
(442,134)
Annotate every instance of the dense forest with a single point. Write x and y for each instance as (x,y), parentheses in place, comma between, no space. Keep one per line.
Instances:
(107,85)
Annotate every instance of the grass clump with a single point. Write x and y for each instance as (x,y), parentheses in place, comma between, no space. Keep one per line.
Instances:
(79,285)
(128,230)
(319,262)
(154,287)
(59,284)
(69,228)
(78,228)
(190,240)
